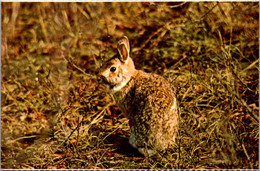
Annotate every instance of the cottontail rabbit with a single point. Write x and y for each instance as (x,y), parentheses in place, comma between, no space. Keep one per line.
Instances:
(147,100)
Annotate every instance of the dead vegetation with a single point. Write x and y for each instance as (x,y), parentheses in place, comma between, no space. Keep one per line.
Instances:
(53,115)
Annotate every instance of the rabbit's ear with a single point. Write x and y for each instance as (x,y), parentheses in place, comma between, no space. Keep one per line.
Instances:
(123,48)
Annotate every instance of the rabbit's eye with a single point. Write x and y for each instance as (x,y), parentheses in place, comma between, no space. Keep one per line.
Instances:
(113,69)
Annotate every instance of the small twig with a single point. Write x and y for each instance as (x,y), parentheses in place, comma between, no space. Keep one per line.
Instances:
(250,66)
(242,144)
(77,67)
(206,13)
(43,26)
(71,134)
(247,156)
(20,138)
(178,5)
(55,99)
(98,160)
(114,130)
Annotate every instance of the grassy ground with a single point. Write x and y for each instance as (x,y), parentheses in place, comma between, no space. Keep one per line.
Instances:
(53,115)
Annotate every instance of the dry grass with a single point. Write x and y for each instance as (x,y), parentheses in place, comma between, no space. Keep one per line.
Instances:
(56,116)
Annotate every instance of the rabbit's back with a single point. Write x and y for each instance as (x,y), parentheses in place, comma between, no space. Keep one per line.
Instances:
(150,104)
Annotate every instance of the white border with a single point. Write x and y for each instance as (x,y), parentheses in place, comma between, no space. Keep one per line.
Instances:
(129,1)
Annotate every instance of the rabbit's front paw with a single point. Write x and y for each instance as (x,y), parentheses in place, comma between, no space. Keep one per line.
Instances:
(147,152)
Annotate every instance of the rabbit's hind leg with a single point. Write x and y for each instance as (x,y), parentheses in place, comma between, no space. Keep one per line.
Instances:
(143,150)
(133,141)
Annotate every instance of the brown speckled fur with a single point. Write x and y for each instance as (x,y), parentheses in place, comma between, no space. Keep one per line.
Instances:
(147,100)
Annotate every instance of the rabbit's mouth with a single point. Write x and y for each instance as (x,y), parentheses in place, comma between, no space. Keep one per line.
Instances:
(107,83)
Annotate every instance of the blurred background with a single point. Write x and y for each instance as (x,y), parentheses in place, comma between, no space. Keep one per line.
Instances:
(54,114)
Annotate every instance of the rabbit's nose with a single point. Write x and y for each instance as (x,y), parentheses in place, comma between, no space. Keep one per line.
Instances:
(103,79)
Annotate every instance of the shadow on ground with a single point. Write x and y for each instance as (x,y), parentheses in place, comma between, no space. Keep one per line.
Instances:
(122,146)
